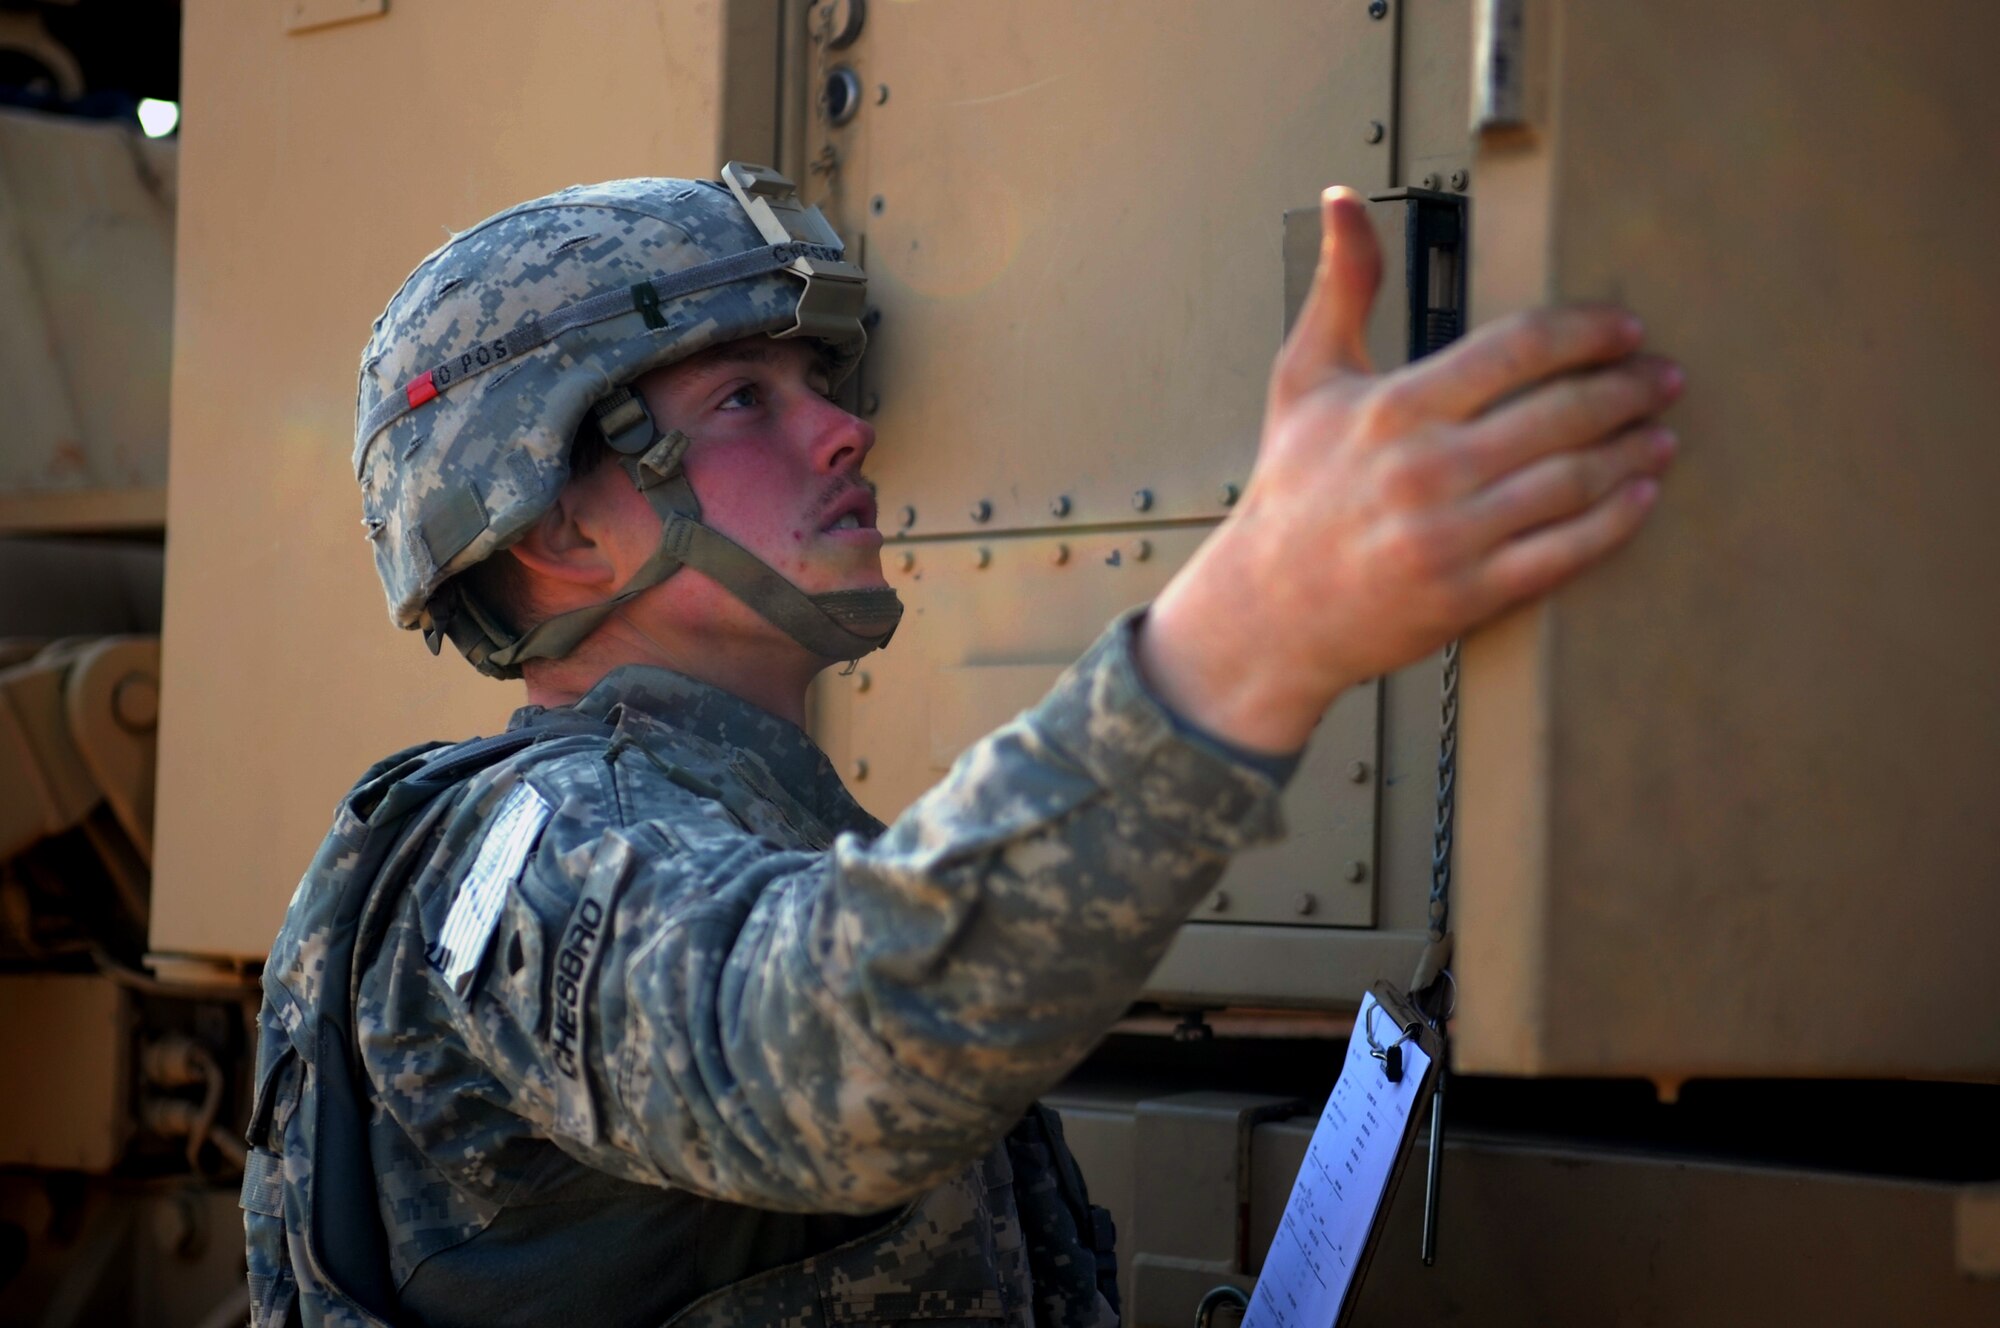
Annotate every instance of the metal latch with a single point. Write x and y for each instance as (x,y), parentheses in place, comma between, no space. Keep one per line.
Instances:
(1422,304)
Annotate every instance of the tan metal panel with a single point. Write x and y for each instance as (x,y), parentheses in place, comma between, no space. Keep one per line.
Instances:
(63,1041)
(318,169)
(1725,806)
(86,277)
(1072,213)
(988,625)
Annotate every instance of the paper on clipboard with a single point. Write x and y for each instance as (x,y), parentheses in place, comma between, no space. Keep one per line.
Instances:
(1323,1236)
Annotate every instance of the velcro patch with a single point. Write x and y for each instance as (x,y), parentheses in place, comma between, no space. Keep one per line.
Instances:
(475,906)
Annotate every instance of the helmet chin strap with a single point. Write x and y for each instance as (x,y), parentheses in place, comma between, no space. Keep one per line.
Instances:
(840,624)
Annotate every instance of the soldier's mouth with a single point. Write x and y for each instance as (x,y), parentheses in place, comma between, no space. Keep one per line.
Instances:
(854,510)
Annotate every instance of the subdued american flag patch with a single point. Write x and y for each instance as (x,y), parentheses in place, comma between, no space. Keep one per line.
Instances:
(475,907)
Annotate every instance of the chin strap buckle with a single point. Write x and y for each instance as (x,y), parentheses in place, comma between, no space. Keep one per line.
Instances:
(662,461)
(625,422)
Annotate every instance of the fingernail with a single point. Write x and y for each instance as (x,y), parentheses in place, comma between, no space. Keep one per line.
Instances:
(1665,443)
(1634,330)
(1672,379)
(1644,492)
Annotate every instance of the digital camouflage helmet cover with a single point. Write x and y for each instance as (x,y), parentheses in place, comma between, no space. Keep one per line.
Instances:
(511,335)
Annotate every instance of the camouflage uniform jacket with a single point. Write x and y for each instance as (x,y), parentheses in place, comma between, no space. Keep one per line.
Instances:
(658,1022)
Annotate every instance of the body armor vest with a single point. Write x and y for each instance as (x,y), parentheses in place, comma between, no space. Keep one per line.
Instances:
(1011,1240)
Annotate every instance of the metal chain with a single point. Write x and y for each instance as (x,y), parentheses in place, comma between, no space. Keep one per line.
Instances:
(1447,796)
(1442,989)
(1432,969)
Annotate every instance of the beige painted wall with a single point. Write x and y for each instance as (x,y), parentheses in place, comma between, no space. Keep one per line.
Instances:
(317,169)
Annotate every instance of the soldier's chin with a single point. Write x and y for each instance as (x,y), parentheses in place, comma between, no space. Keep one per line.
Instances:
(860,569)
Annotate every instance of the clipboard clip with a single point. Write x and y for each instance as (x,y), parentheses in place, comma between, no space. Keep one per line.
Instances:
(1391,1056)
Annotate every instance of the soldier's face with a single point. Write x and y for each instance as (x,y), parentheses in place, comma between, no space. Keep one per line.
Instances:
(776,464)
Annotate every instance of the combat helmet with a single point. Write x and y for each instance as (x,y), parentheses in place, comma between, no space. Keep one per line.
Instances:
(513,334)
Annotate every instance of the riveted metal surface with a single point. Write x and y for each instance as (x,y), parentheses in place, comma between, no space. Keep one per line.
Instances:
(982,642)
(1075,258)
(1751,760)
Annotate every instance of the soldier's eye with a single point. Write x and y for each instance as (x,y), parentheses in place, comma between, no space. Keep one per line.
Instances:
(742,398)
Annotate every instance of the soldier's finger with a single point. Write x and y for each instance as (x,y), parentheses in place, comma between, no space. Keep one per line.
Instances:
(1495,361)
(1556,488)
(1538,562)
(1331,333)
(1574,411)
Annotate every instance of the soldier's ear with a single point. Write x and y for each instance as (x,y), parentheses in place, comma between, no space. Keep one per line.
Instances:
(567,544)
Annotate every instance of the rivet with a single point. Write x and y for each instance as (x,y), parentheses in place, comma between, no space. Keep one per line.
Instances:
(1305,905)
(1357,871)
(1228,494)
(1142,500)
(909,517)
(877,203)
(983,558)
(1431,181)
(881,94)
(1061,555)
(982,510)
(1142,550)
(1378,9)
(1377,131)
(871,403)
(909,560)
(1219,902)
(1059,505)
(1460,179)
(862,681)
(1359,772)
(859,769)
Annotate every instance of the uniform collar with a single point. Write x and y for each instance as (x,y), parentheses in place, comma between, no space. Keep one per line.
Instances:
(708,713)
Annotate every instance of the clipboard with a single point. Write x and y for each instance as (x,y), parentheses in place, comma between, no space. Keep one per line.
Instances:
(1394,1002)
(1332,1226)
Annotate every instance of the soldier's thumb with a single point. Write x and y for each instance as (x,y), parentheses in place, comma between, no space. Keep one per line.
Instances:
(1331,334)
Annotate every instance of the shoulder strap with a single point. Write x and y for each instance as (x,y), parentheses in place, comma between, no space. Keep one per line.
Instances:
(1058,1232)
(346,1218)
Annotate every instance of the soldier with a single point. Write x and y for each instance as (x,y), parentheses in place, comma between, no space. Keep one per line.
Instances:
(630,1014)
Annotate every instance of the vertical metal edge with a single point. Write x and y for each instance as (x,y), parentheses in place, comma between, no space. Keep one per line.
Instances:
(748,127)
(790,95)
(1395,107)
(1375,829)
(1499,97)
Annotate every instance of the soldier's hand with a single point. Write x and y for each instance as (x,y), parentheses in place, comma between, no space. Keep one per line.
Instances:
(1389,513)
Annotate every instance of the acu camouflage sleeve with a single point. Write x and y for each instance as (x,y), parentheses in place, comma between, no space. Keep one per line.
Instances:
(839,1031)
